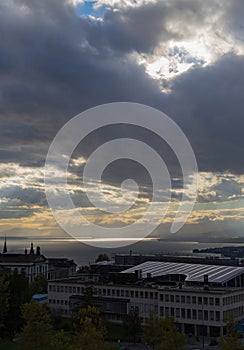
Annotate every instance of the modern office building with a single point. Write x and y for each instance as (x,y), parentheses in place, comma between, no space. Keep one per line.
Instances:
(198,296)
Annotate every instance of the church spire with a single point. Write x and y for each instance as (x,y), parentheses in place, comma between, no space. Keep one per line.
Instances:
(5,249)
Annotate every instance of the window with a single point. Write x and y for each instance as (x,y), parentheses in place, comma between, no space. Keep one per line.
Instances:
(194,300)
(188,299)
(167,311)
(211,301)
(200,314)
(217,316)
(177,298)
(136,294)
(167,298)
(217,301)
(177,312)
(132,293)
(141,294)
(189,313)
(183,313)
(194,314)
(146,295)
(122,292)
(172,312)
(205,301)
(199,300)
(172,298)
(205,315)
(151,295)
(183,299)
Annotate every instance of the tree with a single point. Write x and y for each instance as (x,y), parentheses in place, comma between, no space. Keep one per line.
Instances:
(132,323)
(91,329)
(4,302)
(152,331)
(232,339)
(88,295)
(61,341)
(39,285)
(38,326)
(171,338)
(19,293)
(102,257)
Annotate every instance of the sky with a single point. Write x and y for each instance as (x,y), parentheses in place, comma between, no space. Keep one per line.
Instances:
(183,57)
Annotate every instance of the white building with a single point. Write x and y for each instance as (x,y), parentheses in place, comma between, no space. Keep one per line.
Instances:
(199,297)
(33,264)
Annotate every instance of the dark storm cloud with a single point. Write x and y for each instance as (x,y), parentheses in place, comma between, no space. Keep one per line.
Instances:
(208,103)
(142,28)
(53,72)
(53,65)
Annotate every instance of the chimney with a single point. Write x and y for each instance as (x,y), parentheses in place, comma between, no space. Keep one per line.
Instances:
(205,279)
(38,251)
(31,249)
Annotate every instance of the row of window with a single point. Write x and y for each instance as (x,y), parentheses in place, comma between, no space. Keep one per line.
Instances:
(190,314)
(233,299)
(58,302)
(189,299)
(105,292)
(166,298)
(236,312)
(66,289)
(126,293)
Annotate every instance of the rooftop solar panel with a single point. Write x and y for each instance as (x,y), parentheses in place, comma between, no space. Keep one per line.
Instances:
(193,272)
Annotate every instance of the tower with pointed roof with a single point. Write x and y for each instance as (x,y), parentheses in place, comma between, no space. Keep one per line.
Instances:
(5,249)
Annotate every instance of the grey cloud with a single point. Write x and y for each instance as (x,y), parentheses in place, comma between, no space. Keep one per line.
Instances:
(142,28)
(25,196)
(208,104)
(54,65)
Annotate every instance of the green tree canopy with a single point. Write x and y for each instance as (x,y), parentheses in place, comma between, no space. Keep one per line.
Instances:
(162,334)
(171,338)
(91,329)
(38,326)
(232,339)
(39,285)
(4,302)
(102,257)
(19,293)
(132,323)
(152,331)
